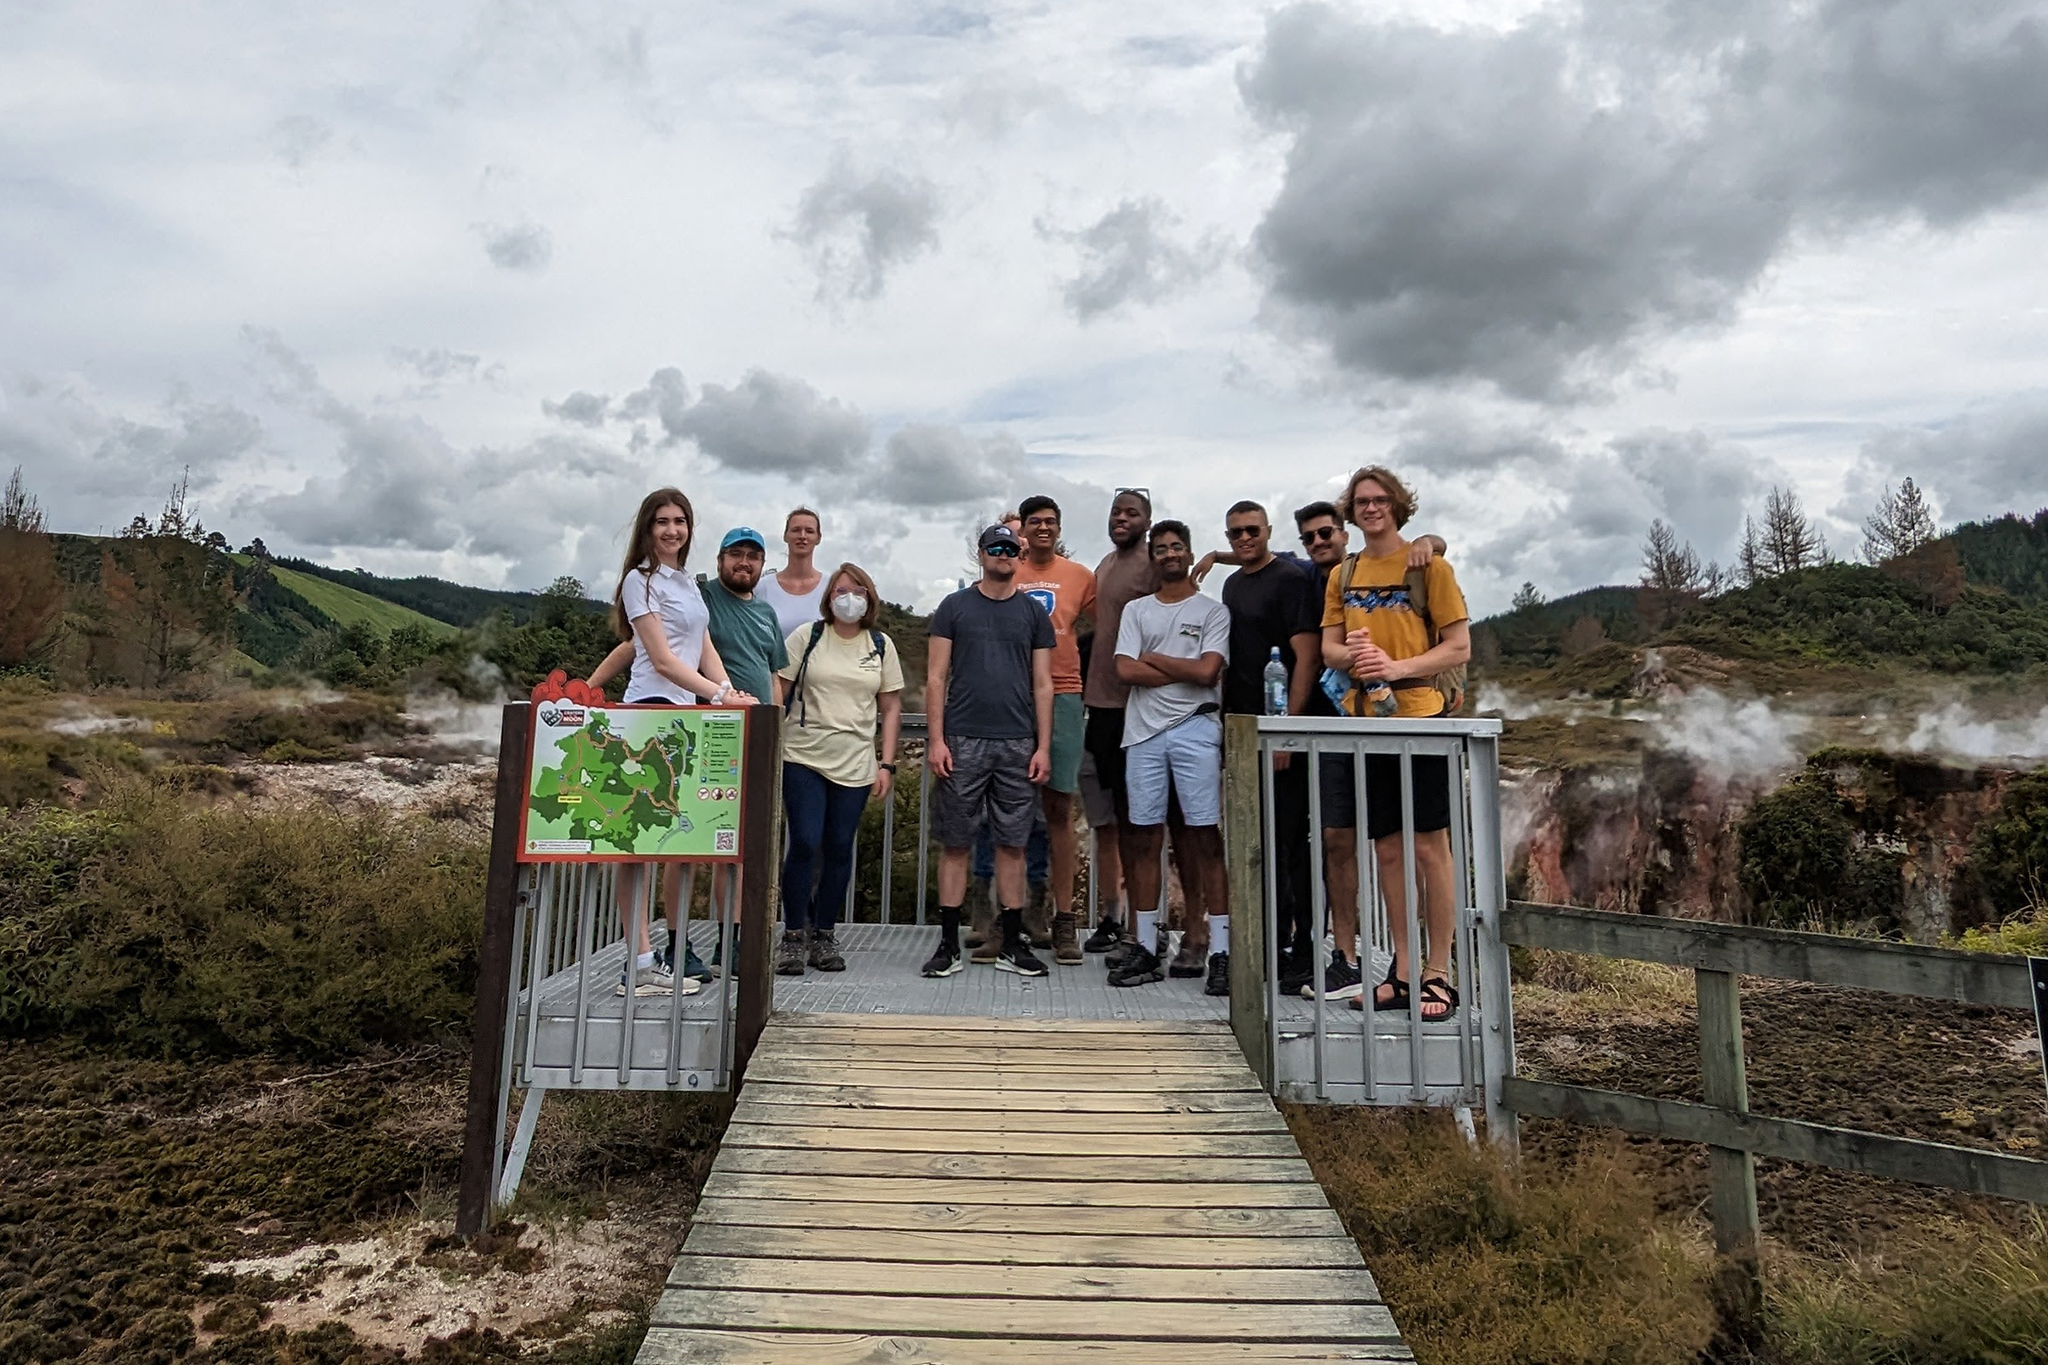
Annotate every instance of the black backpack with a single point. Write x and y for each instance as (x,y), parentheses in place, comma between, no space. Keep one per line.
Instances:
(803,667)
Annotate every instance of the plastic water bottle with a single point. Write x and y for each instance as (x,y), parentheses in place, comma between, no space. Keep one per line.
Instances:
(1276,685)
(1380,697)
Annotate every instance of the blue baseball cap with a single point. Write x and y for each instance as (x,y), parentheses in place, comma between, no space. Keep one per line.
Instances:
(741,535)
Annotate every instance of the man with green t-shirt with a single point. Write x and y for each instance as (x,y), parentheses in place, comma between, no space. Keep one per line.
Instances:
(743,627)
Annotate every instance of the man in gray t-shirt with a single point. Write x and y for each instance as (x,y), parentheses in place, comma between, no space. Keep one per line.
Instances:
(988,708)
(1171,649)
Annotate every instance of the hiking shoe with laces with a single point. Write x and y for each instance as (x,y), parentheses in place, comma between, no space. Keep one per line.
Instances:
(944,961)
(1066,940)
(654,979)
(1138,966)
(1108,934)
(1340,980)
(1219,975)
(694,967)
(1191,961)
(825,953)
(789,957)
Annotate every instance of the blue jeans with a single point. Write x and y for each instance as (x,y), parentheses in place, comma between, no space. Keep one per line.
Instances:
(1037,853)
(823,818)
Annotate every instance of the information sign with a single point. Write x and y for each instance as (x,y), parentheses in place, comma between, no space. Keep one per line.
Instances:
(630,783)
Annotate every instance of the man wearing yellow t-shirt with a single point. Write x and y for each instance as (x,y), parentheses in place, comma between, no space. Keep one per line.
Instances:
(1373,634)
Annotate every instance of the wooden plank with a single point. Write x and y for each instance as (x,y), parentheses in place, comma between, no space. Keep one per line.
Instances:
(932,1121)
(1925,1163)
(972,1280)
(1245,854)
(1029,1171)
(1007,1142)
(996,1078)
(1724,1085)
(929,1022)
(875,1096)
(1137,1220)
(980,1248)
(1206,1061)
(1826,959)
(1140,1044)
(1099,1193)
(1109,1319)
(701,1346)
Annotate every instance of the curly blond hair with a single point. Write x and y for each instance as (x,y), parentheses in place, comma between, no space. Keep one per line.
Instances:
(1403,506)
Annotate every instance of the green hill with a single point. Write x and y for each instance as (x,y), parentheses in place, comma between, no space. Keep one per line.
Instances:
(454,603)
(346,606)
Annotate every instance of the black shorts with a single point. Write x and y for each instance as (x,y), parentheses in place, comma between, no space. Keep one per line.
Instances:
(1383,793)
(1104,740)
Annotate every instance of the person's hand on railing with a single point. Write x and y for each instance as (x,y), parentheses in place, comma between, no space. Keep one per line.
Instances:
(938,759)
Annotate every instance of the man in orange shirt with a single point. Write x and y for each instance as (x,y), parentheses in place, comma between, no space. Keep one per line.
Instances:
(1067,592)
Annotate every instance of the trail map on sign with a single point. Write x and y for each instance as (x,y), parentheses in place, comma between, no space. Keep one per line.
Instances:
(633,782)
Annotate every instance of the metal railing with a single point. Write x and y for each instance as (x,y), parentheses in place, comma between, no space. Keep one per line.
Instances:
(1317,1049)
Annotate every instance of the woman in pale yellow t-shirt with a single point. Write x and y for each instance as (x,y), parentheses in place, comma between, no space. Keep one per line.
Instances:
(844,687)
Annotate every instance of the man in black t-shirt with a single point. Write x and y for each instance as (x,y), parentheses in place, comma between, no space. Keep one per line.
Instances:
(1273,606)
(988,712)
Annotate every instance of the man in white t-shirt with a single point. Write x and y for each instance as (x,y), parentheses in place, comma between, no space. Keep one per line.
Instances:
(1171,649)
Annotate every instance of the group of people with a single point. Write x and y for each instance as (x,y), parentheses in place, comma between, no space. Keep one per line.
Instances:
(1048,684)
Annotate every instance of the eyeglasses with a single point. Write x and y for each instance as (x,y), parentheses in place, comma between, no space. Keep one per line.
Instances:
(1000,551)
(1321,534)
(1243,532)
(1380,500)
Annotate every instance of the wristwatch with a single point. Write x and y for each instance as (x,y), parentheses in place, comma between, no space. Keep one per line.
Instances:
(886,767)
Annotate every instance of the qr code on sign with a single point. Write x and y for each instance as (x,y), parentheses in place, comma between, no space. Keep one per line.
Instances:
(725,841)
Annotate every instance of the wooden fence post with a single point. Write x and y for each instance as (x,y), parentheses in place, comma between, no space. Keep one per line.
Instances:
(760,883)
(484,1120)
(1731,1172)
(1245,854)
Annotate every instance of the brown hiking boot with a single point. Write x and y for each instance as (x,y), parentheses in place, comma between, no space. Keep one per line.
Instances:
(1038,917)
(1066,941)
(981,919)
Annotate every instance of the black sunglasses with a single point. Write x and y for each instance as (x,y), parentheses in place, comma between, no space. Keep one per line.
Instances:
(1242,532)
(1000,551)
(1321,533)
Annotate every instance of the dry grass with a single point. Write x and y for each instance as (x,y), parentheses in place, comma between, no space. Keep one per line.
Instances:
(1568,986)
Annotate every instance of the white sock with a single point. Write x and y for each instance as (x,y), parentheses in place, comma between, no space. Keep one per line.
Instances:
(644,960)
(1147,927)
(1219,933)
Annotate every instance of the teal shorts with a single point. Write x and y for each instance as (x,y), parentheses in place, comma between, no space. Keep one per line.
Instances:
(1069,721)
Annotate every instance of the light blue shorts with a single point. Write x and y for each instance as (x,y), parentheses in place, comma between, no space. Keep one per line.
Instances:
(1190,758)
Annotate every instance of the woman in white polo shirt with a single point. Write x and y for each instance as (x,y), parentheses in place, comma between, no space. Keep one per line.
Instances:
(659,607)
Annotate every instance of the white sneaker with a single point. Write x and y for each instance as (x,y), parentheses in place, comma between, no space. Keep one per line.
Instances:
(657,979)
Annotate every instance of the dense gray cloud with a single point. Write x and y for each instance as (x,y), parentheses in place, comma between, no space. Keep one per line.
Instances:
(857,226)
(1536,206)
(525,247)
(772,424)
(1982,463)
(584,409)
(1129,256)
(943,466)
(665,399)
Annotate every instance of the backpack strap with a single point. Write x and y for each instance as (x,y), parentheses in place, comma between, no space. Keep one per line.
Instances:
(1418,601)
(796,684)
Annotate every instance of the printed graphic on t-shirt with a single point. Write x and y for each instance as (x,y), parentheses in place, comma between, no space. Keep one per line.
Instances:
(1045,597)
(1393,598)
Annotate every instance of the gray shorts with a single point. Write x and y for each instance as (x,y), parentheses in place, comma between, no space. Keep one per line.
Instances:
(991,781)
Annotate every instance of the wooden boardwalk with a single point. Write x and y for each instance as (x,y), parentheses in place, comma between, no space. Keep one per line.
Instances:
(930,1191)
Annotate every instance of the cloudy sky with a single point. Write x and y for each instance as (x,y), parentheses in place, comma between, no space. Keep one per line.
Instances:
(445,289)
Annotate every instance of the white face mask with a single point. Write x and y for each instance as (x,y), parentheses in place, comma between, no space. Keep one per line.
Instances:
(850,607)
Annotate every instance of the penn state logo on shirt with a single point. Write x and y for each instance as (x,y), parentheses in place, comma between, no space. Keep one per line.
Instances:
(1044,597)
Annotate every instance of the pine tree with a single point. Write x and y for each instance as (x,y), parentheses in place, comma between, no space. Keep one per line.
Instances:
(1526,597)
(1790,542)
(1902,523)
(1749,563)
(1668,566)
(31,589)
(19,510)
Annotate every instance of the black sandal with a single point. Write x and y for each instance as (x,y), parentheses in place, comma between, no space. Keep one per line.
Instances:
(1437,990)
(1398,1000)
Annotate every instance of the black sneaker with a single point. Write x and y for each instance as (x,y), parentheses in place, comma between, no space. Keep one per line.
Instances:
(1219,975)
(694,968)
(825,953)
(1296,971)
(1139,967)
(789,958)
(1340,980)
(1017,957)
(1108,934)
(944,961)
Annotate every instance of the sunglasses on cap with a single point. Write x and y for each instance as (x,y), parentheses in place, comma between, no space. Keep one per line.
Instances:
(1000,551)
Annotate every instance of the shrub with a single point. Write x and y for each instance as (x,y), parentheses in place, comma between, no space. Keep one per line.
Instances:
(1801,861)
(317,731)
(2007,874)
(163,927)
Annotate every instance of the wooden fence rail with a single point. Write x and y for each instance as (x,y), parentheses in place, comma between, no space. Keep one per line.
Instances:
(1719,955)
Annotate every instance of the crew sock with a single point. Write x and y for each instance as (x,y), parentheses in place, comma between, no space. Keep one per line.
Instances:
(644,960)
(1219,933)
(1013,927)
(949,926)
(1147,928)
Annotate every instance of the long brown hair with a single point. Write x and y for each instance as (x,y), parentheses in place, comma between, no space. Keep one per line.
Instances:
(640,548)
(867,587)
(1401,502)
